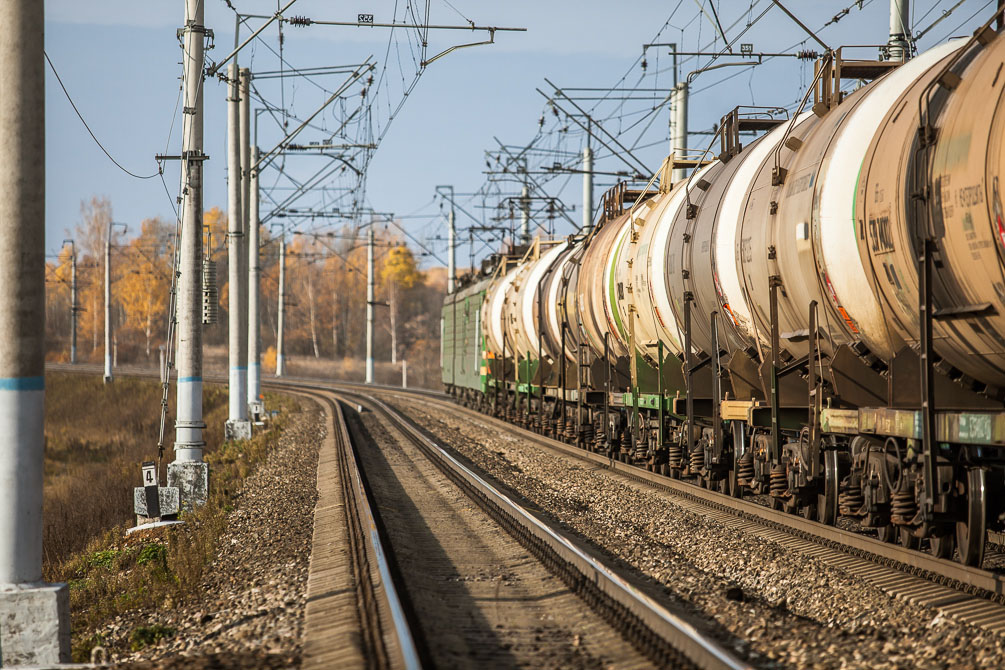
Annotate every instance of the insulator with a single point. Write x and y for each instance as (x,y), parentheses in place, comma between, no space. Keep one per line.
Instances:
(302,21)
(807,54)
(210,293)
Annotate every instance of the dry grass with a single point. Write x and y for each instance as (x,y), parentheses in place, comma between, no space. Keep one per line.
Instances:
(96,438)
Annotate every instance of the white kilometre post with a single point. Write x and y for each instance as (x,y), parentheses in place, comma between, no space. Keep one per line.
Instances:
(188,471)
(587,188)
(369,304)
(898,47)
(34,617)
(254,276)
(237,426)
(451,250)
(678,140)
(280,359)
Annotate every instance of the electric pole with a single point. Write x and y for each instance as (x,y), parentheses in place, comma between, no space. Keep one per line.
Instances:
(244,107)
(255,407)
(587,187)
(35,616)
(280,362)
(108,299)
(369,304)
(237,426)
(678,140)
(525,216)
(898,47)
(452,251)
(188,471)
(73,301)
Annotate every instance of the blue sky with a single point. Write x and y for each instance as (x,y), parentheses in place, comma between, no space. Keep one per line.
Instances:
(120,62)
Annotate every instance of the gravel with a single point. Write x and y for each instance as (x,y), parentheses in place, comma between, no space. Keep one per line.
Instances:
(773,607)
(250,612)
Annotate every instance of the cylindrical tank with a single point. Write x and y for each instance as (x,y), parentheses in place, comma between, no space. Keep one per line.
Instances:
(524,319)
(966,211)
(494,311)
(595,301)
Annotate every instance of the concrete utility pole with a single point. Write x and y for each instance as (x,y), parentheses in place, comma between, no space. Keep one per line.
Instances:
(451,250)
(108,299)
(369,304)
(244,81)
(898,48)
(280,360)
(678,139)
(255,408)
(73,301)
(587,188)
(188,471)
(237,426)
(525,216)
(35,628)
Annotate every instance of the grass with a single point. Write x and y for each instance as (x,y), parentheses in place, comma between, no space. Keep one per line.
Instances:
(97,436)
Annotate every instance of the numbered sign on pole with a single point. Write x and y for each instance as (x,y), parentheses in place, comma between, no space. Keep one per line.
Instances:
(150,488)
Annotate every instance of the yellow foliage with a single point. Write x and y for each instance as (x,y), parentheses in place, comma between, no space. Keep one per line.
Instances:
(269,360)
(399,267)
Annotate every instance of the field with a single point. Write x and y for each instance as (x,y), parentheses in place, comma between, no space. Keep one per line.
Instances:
(96,437)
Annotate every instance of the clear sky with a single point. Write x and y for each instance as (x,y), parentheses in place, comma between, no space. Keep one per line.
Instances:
(119,59)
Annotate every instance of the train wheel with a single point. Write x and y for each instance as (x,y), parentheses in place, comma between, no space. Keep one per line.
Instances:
(722,486)
(907,538)
(970,534)
(827,502)
(887,533)
(941,546)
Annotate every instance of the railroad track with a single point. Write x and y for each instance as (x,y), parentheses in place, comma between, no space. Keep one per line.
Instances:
(972,595)
(661,637)
(359,578)
(969,594)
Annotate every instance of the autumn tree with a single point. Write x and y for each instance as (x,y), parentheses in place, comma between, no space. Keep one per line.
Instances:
(399,274)
(91,233)
(145,286)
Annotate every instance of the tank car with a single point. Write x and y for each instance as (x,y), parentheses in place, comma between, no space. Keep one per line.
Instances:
(817,317)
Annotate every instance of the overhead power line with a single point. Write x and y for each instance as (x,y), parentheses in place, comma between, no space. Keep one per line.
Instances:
(91,132)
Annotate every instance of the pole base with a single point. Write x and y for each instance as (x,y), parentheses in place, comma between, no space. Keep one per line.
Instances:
(34,624)
(192,480)
(237,429)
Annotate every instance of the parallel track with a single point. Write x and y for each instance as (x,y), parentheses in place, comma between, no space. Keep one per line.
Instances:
(388,636)
(664,637)
(970,594)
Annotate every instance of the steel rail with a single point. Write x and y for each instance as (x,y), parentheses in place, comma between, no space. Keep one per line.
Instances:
(359,503)
(665,636)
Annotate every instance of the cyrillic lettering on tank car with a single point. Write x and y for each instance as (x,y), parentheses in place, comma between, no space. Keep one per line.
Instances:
(879,235)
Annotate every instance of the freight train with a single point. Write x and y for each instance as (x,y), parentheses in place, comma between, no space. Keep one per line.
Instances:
(817,318)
